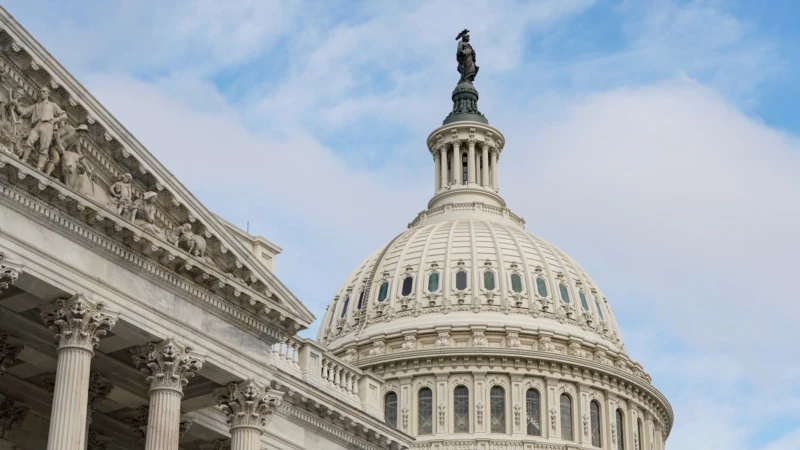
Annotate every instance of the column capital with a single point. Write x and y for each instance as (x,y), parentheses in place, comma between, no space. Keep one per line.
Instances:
(98,441)
(99,388)
(77,322)
(168,364)
(248,404)
(8,274)
(8,352)
(11,414)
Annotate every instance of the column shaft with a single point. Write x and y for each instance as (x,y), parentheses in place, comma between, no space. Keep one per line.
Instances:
(457,163)
(70,400)
(164,420)
(245,438)
(438,175)
(485,164)
(471,163)
(444,174)
(494,169)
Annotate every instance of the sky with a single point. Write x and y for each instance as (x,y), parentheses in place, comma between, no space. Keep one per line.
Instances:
(656,142)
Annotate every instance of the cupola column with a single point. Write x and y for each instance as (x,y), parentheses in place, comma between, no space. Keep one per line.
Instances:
(485,164)
(457,162)
(471,161)
(493,167)
(443,158)
(438,168)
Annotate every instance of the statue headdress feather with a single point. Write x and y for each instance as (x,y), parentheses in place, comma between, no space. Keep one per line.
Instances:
(462,34)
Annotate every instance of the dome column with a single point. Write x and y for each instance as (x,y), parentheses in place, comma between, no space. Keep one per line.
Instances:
(443,171)
(493,166)
(471,160)
(438,168)
(457,162)
(485,165)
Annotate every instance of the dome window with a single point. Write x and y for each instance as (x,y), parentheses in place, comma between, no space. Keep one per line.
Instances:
(383,292)
(497,409)
(433,282)
(461,280)
(361,299)
(425,417)
(564,293)
(516,283)
(594,409)
(541,286)
(461,409)
(488,280)
(620,431)
(390,409)
(344,307)
(583,301)
(532,406)
(599,310)
(566,417)
(408,283)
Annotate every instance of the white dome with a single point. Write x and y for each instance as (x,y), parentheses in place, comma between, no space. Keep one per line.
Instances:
(474,246)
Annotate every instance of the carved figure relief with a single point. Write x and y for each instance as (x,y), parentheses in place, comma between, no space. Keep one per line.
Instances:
(377,348)
(443,340)
(546,345)
(478,339)
(183,237)
(122,197)
(410,343)
(600,356)
(512,339)
(575,350)
(350,355)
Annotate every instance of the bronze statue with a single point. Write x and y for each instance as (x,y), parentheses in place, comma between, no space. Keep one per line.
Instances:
(465,55)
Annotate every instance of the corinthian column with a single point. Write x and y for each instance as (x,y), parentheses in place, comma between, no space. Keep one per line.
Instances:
(471,160)
(445,177)
(249,408)
(493,165)
(485,165)
(78,325)
(168,366)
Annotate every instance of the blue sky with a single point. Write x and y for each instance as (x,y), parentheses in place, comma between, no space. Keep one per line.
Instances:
(654,141)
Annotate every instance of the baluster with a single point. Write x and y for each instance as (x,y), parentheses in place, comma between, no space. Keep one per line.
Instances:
(336,377)
(283,350)
(274,351)
(355,385)
(296,355)
(324,366)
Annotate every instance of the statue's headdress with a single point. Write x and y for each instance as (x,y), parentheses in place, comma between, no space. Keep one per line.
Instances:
(462,34)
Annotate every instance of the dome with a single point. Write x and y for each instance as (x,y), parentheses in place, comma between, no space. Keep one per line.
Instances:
(487,336)
(468,271)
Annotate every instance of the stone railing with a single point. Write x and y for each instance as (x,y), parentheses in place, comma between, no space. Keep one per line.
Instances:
(311,362)
(487,445)
(461,207)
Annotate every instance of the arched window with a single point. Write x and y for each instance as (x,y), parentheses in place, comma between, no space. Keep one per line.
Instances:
(594,413)
(532,412)
(461,409)
(640,433)
(564,293)
(433,282)
(332,315)
(583,301)
(383,292)
(541,286)
(361,299)
(461,280)
(425,417)
(620,431)
(516,283)
(344,307)
(488,280)
(497,409)
(408,283)
(464,167)
(599,310)
(566,417)
(390,409)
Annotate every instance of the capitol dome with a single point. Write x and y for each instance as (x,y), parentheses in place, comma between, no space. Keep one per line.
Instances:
(489,337)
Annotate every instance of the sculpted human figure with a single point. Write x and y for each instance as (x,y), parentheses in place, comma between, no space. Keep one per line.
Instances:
(122,197)
(144,212)
(45,116)
(465,55)
(11,125)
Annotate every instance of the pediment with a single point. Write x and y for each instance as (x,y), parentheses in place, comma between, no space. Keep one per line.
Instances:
(105,179)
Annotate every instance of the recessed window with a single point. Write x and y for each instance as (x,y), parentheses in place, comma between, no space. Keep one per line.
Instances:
(516,283)
(344,307)
(488,280)
(408,283)
(594,412)
(583,301)
(425,417)
(620,431)
(361,299)
(599,310)
(464,167)
(541,286)
(564,293)
(532,412)
(497,409)
(433,282)
(383,292)
(461,280)
(566,417)
(390,409)
(461,409)
(639,430)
